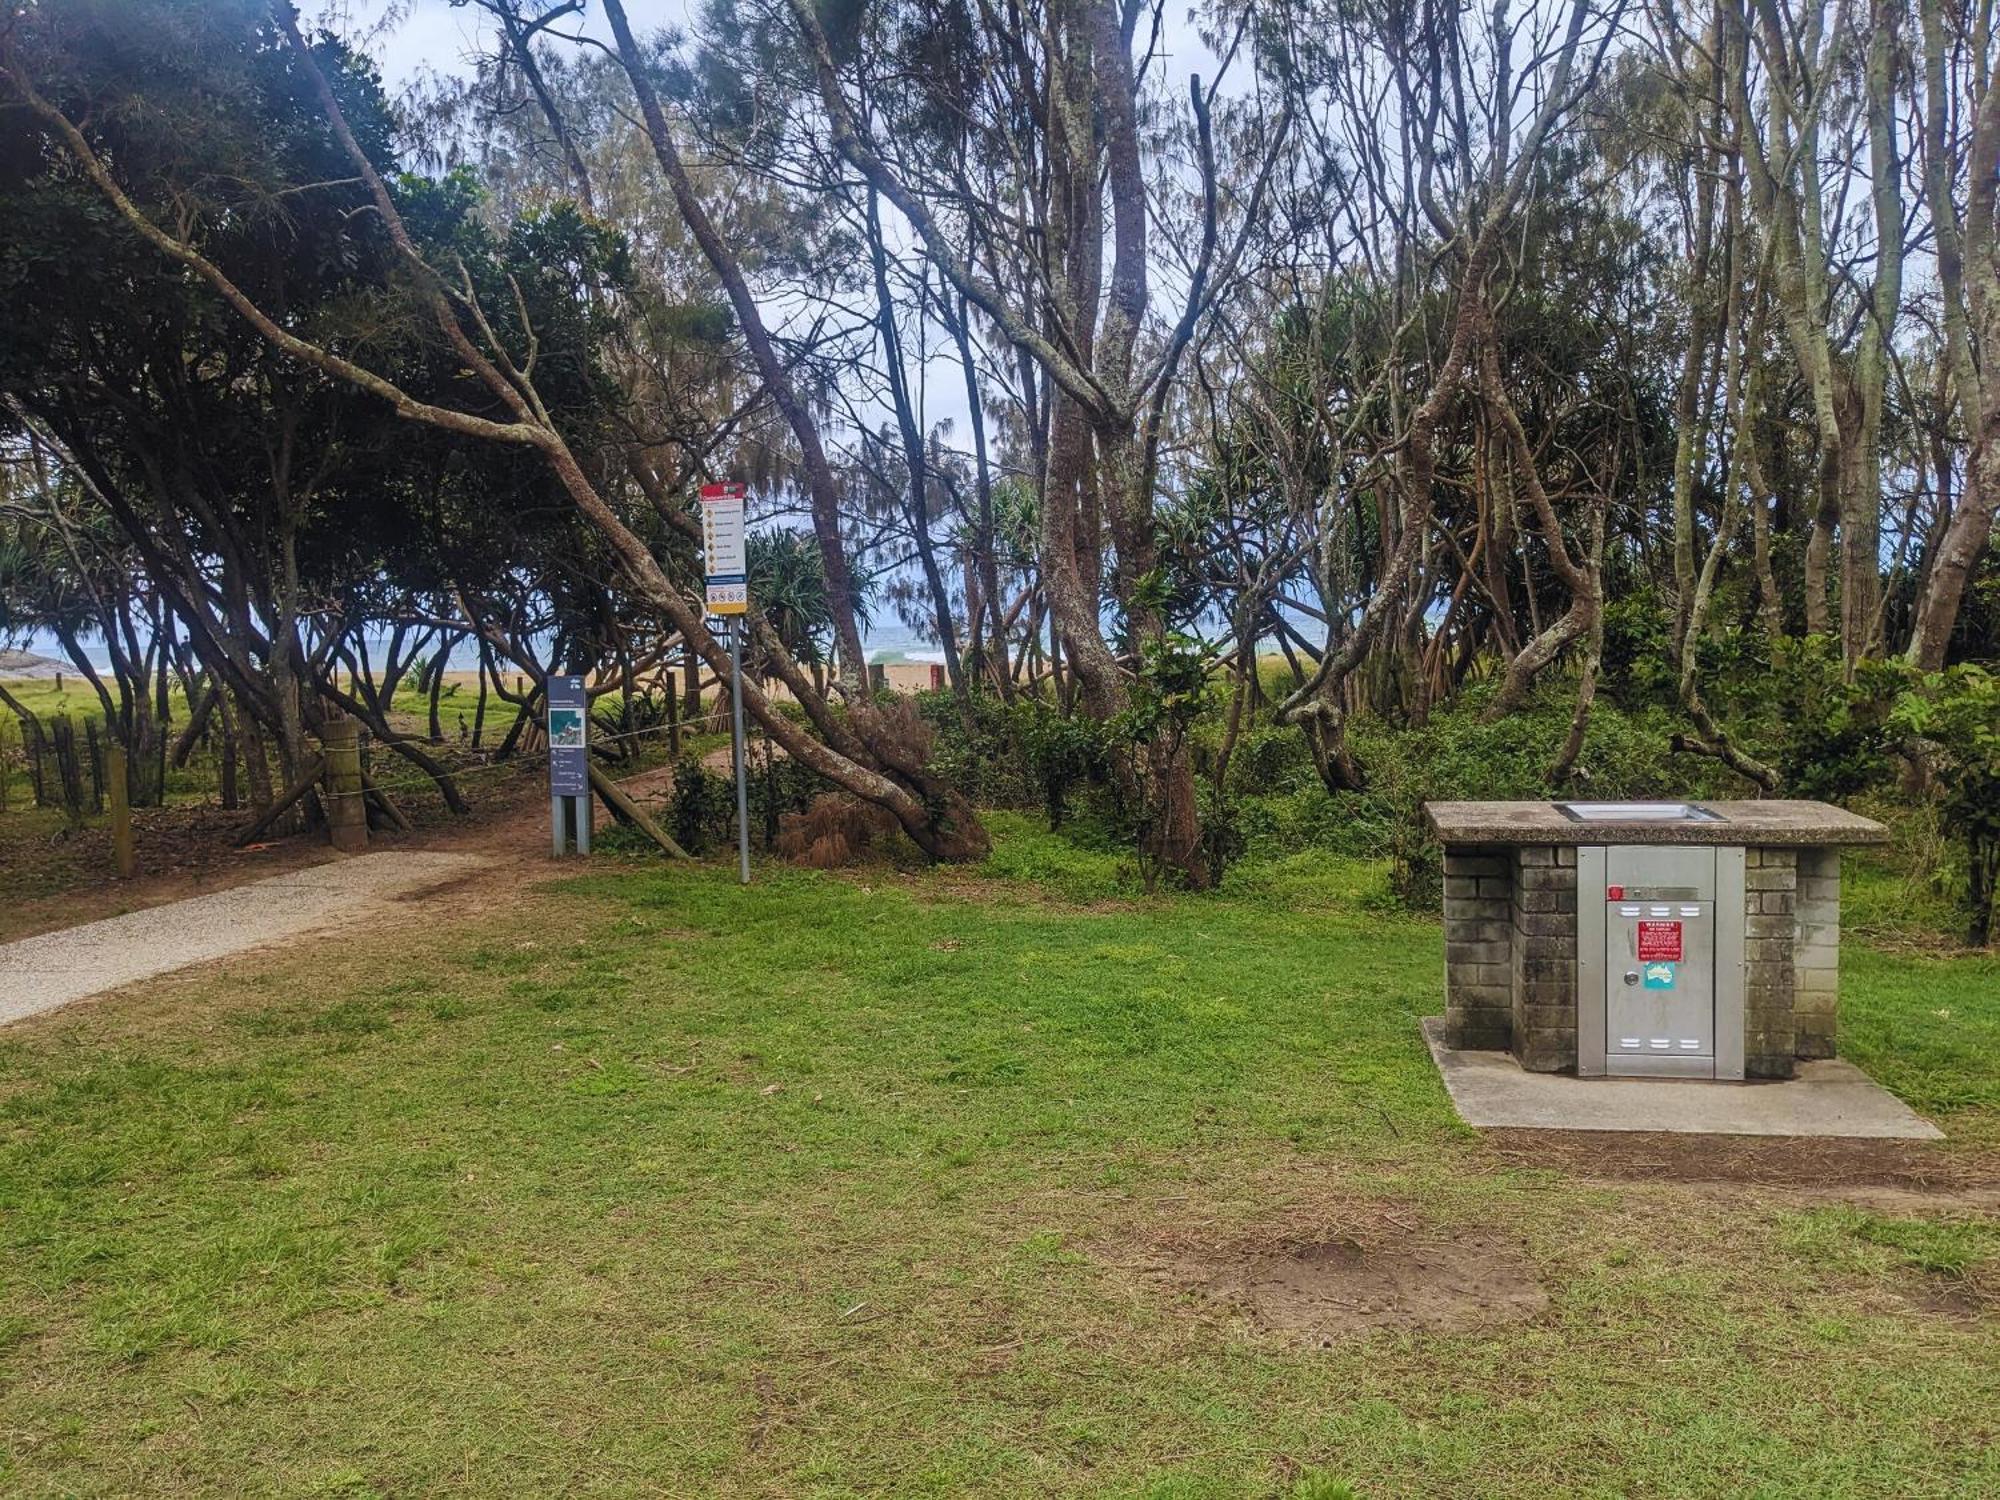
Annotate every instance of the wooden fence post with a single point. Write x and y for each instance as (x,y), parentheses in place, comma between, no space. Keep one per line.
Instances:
(69,774)
(346,805)
(117,776)
(33,742)
(228,770)
(96,766)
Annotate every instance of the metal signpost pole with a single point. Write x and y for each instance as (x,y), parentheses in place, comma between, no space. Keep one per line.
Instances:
(736,735)
(726,568)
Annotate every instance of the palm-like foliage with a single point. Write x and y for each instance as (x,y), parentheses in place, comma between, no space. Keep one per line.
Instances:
(788,582)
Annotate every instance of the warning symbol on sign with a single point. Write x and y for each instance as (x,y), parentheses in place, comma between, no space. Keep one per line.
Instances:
(1660,941)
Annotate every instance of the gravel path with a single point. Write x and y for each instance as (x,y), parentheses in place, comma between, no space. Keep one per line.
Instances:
(43,973)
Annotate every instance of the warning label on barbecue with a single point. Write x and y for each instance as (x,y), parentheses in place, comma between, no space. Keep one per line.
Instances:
(1660,941)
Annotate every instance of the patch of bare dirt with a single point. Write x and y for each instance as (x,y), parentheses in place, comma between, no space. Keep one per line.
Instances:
(652,789)
(1317,1290)
(449,886)
(1961,1300)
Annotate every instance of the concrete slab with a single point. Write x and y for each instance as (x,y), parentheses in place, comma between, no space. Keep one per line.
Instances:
(1769,824)
(1830,1098)
(43,973)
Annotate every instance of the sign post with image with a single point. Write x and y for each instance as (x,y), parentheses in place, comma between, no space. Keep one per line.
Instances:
(569,760)
(727,571)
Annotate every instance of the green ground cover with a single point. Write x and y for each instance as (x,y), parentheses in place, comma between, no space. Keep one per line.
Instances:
(650,1184)
(200,779)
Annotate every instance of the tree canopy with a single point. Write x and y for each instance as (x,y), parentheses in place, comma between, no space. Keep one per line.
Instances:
(1431,349)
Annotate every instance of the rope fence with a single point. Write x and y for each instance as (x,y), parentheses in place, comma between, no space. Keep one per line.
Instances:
(512,763)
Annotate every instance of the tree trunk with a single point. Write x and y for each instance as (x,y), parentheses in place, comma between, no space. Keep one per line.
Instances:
(1958,553)
(774,371)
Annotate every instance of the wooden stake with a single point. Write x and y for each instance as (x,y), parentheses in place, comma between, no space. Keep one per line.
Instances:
(120,789)
(308,779)
(616,798)
(96,766)
(346,812)
(69,774)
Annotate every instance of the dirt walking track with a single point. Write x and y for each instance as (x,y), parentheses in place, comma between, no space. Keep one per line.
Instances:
(174,922)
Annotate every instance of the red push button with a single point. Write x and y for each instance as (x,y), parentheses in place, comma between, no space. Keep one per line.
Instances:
(1616,893)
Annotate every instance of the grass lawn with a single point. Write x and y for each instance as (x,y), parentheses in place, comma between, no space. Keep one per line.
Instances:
(837,1185)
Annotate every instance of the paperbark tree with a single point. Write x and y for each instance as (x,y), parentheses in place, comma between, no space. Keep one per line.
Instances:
(820,480)
(1799,51)
(1958,47)
(1084,336)
(1464,191)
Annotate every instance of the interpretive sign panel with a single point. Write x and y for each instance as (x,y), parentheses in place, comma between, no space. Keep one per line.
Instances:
(569,729)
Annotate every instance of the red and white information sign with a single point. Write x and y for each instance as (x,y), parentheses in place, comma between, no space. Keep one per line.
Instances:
(722,549)
(1660,942)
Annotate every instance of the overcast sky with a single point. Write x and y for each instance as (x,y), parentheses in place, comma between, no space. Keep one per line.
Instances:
(443,37)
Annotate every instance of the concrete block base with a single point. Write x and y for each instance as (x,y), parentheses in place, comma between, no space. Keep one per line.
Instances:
(1491,1090)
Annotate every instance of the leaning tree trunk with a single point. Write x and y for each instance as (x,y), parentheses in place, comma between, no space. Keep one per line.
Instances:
(1959,550)
(822,488)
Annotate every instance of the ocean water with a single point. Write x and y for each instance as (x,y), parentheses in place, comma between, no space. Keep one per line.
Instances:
(889,644)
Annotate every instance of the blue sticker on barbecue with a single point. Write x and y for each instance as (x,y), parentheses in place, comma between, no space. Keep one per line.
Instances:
(1660,976)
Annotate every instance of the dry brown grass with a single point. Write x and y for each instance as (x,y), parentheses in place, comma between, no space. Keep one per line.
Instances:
(833,833)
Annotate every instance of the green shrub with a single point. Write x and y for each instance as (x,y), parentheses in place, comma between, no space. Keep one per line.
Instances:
(776,785)
(1223,833)
(982,758)
(1826,726)
(1279,806)
(1268,759)
(1062,755)
(1954,717)
(704,806)
(1638,663)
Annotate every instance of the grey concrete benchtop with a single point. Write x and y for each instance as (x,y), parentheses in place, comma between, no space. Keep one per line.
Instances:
(1828,1098)
(1770,824)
